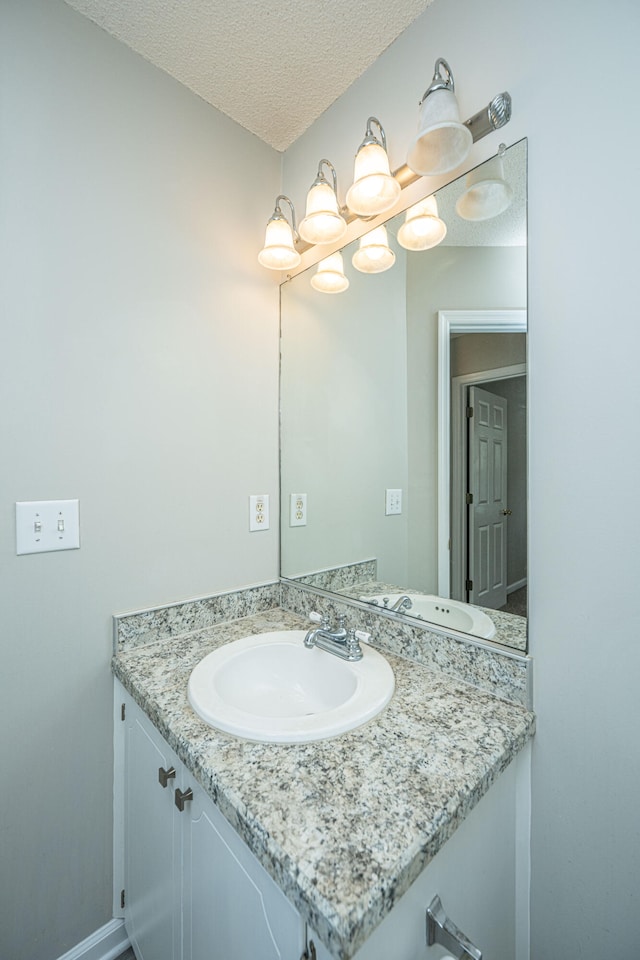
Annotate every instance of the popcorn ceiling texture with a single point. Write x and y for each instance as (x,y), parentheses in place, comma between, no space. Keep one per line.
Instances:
(263,63)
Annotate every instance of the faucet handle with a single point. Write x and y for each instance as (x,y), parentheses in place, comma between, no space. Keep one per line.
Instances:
(320,618)
(363,636)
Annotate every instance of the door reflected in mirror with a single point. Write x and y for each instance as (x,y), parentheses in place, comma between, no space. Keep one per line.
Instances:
(405,493)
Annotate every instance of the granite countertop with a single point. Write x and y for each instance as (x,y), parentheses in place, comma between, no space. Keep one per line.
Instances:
(344,826)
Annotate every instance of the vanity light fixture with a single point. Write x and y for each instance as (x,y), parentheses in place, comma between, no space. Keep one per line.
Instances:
(374,255)
(487,194)
(443,142)
(323,222)
(329,277)
(279,251)
(422,228)
(374,190)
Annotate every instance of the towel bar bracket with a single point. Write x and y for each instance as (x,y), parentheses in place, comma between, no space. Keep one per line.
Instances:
(442,930)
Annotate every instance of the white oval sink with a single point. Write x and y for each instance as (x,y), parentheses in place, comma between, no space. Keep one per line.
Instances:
(270,687)
(444,613)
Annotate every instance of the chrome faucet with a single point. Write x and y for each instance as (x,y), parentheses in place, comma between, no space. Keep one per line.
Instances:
(402,603)
(341,642)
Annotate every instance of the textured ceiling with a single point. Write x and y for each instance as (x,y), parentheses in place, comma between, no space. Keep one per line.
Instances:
(261,62)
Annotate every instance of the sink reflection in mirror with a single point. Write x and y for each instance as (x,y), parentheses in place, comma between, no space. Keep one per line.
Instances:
(451,614)
(375,386)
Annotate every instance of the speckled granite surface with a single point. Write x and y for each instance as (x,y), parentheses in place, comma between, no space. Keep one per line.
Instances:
(344,825)
(340,579)
(177,619)
(503,673)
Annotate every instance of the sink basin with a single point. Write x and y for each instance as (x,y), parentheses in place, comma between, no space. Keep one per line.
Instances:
(270,687)
(452,614)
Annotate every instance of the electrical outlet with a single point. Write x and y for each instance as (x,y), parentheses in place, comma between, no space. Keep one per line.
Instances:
(259,512)
(46,525)
(393,502)
(298,510)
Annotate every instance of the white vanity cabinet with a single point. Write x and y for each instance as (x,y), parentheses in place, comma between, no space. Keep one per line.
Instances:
(194,891)
(192,888)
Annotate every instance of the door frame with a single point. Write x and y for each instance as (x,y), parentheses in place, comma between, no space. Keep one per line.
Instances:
(458,321)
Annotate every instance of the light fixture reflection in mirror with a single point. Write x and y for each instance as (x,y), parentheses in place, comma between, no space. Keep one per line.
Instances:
(329,277)
(374,255)
(487,194)
(369,399)
(423,228)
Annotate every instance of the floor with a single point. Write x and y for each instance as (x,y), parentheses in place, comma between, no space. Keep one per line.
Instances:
(517,603)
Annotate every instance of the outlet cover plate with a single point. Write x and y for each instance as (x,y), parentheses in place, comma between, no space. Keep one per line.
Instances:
(298,510)
(258,512)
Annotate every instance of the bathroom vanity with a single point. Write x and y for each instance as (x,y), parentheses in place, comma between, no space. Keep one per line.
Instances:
(234,849)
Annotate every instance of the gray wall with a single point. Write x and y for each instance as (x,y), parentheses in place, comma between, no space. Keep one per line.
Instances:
(344,421)
(138,372)
(454,278)
(584,532)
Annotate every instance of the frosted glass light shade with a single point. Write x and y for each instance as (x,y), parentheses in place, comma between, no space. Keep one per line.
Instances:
(374,254)
(329,277)
(322,222)
(486,194)
(442,142)
(374,190)
(422,228)
(278,252)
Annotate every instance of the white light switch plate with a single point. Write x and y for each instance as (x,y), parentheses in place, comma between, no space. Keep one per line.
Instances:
(393,502)
(46,525)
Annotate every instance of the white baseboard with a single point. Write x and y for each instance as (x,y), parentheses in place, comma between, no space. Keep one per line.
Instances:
(516,586)
(107,943)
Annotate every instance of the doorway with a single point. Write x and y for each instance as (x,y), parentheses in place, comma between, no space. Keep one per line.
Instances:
(451,523)
(489,489)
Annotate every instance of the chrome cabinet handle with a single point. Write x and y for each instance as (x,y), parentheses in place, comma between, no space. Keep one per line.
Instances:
(165,775)
(182,797)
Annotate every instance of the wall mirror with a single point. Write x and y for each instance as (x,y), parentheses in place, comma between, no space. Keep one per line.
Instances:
(403,419)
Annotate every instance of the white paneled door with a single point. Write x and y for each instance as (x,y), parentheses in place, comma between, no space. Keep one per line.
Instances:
(488,509)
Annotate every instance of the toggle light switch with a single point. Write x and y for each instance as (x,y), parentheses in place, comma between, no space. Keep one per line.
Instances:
(393,502)
(46,525)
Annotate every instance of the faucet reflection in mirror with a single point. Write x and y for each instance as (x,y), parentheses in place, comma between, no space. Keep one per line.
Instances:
(441,144)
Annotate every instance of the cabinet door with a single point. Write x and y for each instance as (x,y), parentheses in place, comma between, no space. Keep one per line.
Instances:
(232,907)
(151,861)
